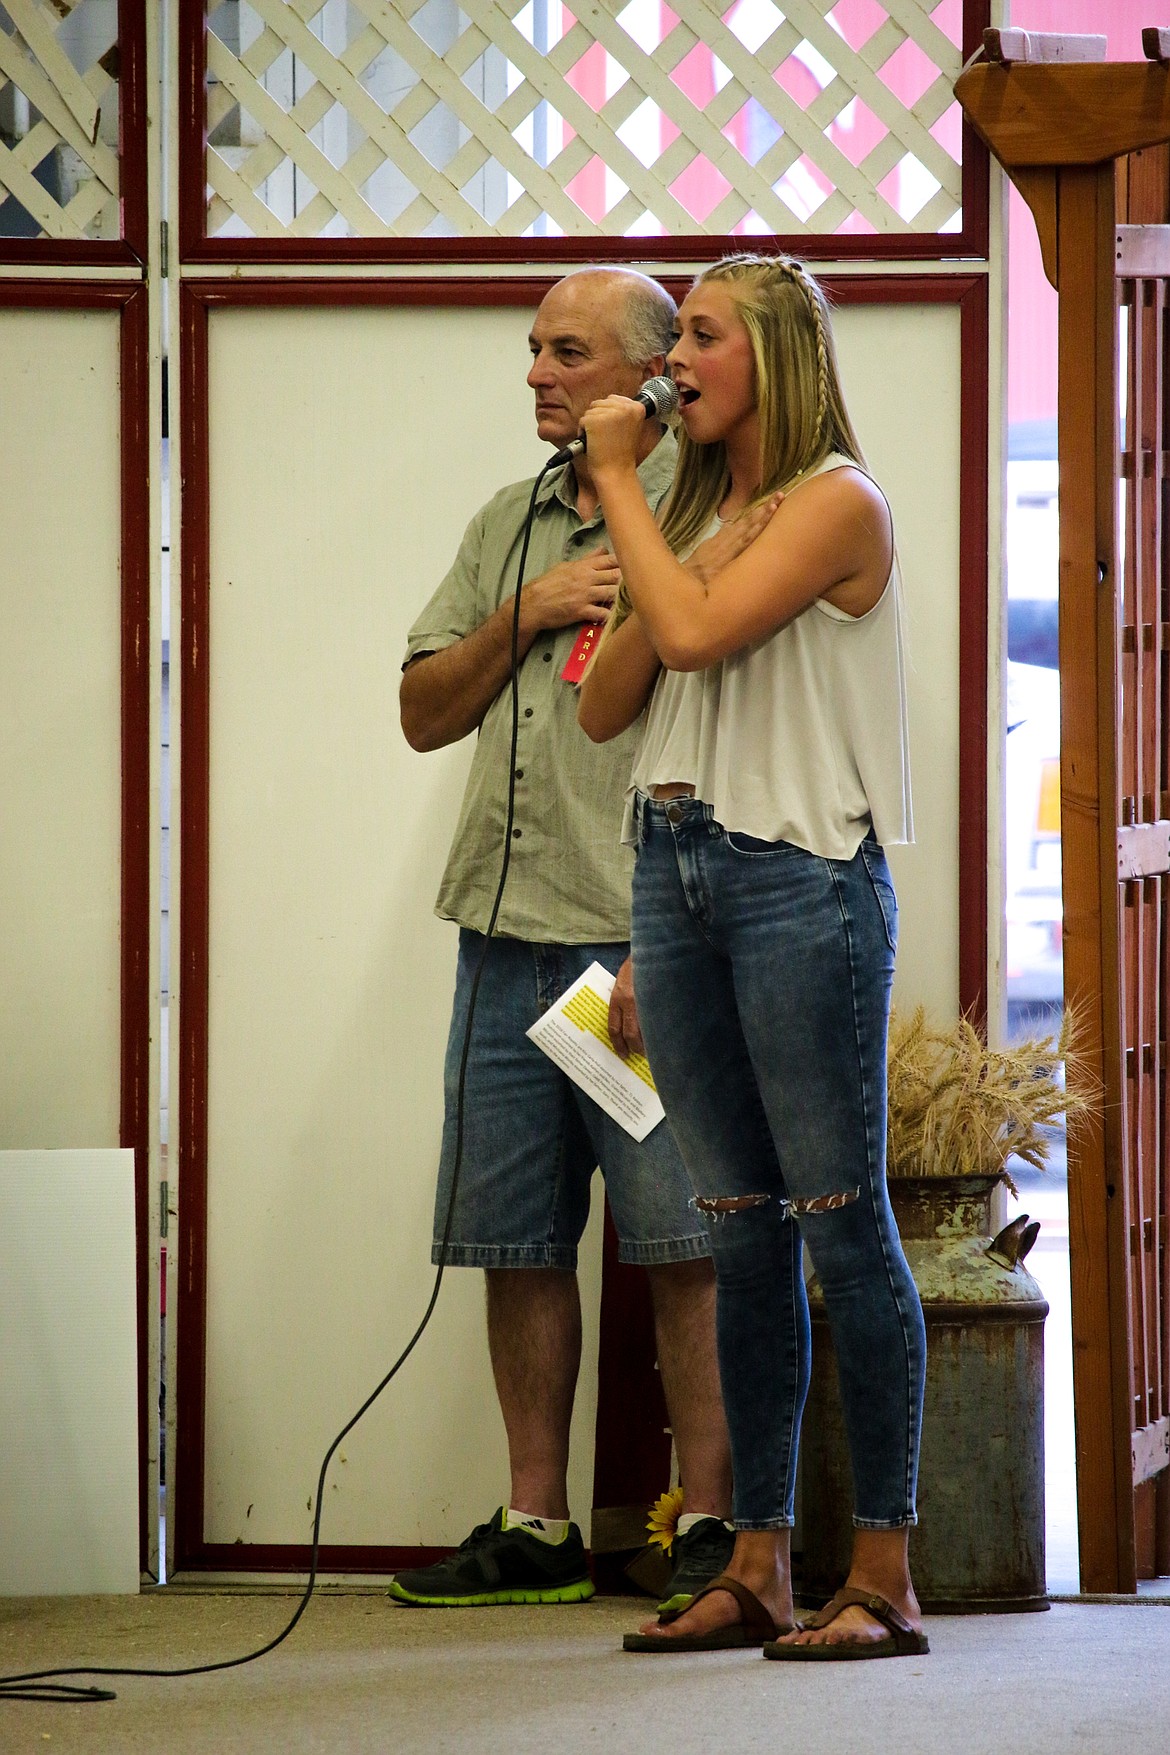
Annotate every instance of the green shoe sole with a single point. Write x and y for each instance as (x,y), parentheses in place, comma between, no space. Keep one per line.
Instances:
(561,1593)
(675,1604)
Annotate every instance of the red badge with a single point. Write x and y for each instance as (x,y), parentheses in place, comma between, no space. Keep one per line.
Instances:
(582,652)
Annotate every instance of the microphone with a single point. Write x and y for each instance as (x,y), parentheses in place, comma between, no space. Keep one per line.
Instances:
(658,396)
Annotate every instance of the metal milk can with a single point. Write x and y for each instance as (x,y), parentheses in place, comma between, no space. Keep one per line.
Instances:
(979,1543)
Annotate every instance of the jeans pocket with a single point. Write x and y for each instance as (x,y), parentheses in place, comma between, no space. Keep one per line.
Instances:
(751,847)
(883,889)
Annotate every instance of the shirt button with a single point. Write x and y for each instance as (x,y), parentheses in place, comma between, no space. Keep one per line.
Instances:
(548,658)
(528,712)
(516,833)
(519,773)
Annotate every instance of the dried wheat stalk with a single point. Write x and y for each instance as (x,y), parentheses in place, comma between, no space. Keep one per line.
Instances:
(959,1108)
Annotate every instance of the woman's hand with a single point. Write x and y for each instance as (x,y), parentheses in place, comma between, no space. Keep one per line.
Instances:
(830,539)
(625,1032)
(718,551)
(613,426)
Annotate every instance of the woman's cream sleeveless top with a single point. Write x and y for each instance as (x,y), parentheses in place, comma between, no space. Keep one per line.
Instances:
(801,737)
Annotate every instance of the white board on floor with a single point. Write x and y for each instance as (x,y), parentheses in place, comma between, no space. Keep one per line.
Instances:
(68,1374)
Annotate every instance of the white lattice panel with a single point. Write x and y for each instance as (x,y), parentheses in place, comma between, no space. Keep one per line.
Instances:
(492,118)
(59,119)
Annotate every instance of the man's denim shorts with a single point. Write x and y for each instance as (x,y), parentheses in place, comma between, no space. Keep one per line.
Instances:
(532,1139)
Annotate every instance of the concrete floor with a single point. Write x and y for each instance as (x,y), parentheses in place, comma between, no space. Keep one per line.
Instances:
(360,1674)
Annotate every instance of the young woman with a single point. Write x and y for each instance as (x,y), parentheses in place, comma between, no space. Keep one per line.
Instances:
(772,768)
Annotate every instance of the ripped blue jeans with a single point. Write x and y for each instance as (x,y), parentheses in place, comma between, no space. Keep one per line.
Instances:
(763,977)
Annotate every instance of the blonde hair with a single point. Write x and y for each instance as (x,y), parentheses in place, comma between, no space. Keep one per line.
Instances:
(803,418)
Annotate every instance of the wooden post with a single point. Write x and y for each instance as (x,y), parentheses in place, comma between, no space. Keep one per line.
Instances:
(1087,447)
(1065,133)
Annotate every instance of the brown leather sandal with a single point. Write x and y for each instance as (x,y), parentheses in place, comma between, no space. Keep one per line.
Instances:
(904,1640)
(754,1627)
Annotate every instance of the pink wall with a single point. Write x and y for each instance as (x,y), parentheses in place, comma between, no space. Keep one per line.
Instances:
(1031,301)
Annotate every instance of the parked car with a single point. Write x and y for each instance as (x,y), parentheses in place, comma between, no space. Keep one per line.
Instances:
(1034,909)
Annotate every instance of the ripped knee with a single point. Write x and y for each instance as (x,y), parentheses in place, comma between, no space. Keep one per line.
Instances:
(824,1203)
(723,1206)
(719,1206)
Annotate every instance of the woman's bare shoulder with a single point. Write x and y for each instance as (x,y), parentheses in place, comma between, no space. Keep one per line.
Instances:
(841,505)
(846,486)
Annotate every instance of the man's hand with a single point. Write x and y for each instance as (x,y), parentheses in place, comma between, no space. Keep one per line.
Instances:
(728,544)
(624,1031)
(445,694)
(575,591)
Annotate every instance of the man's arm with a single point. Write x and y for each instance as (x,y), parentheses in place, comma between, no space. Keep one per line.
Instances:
(444,695)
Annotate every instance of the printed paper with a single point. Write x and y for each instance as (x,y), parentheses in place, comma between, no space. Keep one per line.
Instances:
(574,1034)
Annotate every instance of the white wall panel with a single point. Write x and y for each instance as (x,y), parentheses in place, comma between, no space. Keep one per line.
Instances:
(69,1384)
(900,366)
(348,450)
(60,705)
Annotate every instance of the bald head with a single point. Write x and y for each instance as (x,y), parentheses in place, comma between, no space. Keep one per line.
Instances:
(598,332)
(642,313)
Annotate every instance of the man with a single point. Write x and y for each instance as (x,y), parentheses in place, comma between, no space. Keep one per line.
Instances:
(531,1139)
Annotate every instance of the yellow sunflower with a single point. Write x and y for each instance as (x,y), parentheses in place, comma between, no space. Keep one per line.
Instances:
(664,1515)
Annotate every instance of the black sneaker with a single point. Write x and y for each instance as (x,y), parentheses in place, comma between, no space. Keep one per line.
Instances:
(697,1557)
(495,1565)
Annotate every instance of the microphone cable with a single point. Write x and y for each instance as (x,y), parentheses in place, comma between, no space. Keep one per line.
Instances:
(39,1685)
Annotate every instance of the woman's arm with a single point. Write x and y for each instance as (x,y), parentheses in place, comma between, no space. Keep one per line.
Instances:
(618,683)
(830,538)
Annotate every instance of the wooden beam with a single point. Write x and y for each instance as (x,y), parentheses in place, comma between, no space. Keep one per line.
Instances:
(1143,252)
(1151,1450)
(1038,187)
(1067,114)
(1011,47)
(1087,443)
(1143,187)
